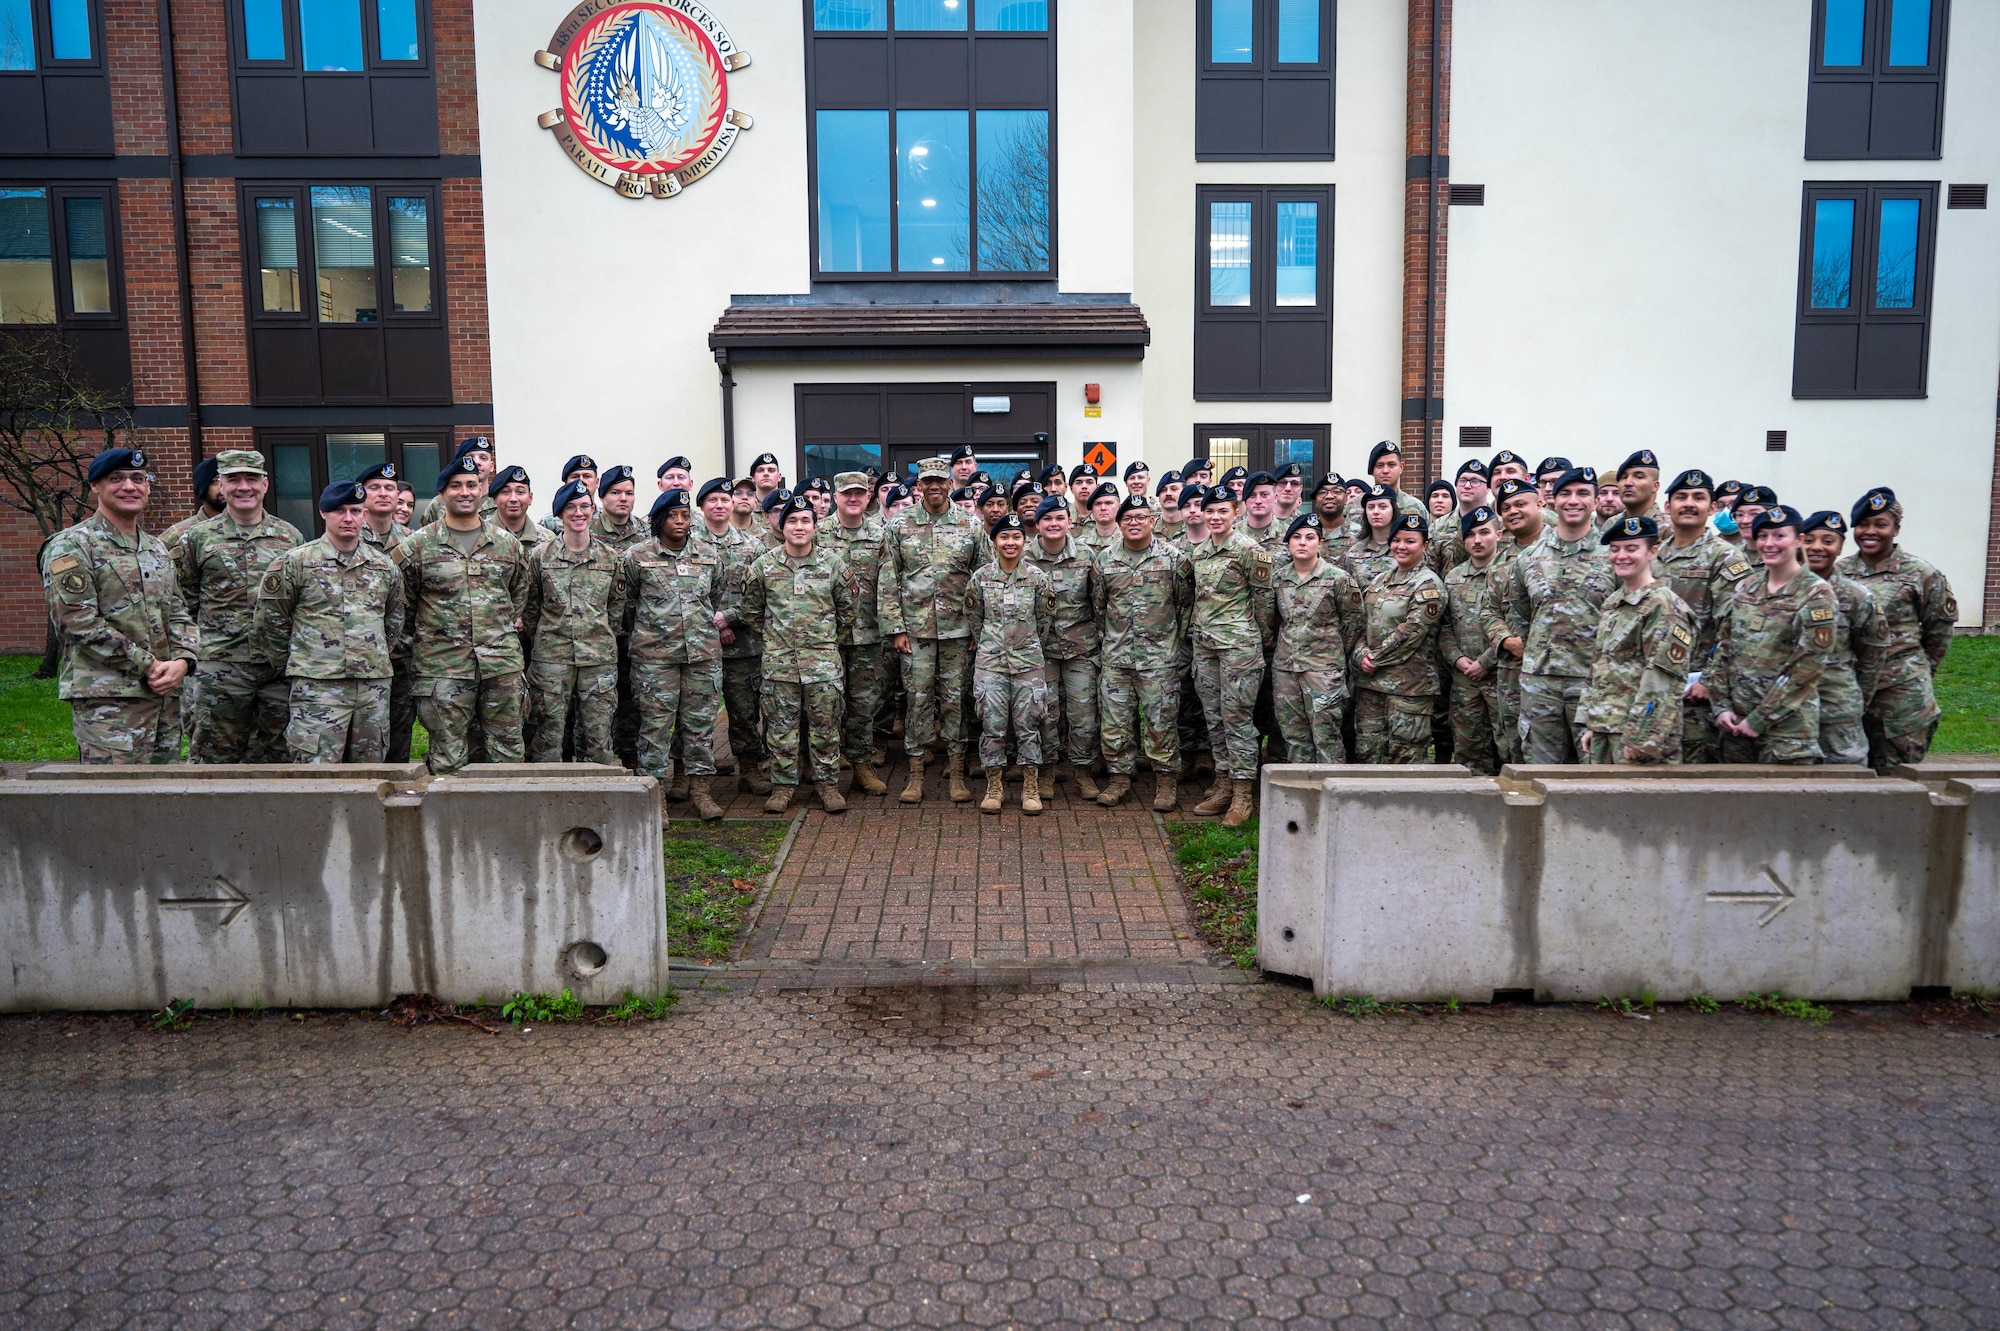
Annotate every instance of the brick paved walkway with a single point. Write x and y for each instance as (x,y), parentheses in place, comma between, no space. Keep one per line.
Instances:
(1215,1157)
(944,891)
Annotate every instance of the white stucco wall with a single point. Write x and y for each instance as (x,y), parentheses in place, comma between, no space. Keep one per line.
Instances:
(1371,45)
(1632,280)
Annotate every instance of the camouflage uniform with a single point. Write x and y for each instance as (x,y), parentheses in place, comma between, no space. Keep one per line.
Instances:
(1071,672)
(625,720)
(117,609)
(1144,604)
(1704,575)
(465,655)
(1319,621)
(743,654)
(244,705)
(1507,666)
(1919,611)
(1853,668)
(1401,612)
(926,561)
(433,509)
(328,620)
(174,535)
(1270,539)
(862,659)
(802,608)
(190,694)
(672,597)
(1447,547)
(1770,651)
(1549,599)
(574,610)
(1475,703)
(1232,621)
(1368,559)
(402,703)
(1645,641)
(1009,616)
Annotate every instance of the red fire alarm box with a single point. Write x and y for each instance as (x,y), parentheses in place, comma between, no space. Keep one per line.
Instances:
(1090,394)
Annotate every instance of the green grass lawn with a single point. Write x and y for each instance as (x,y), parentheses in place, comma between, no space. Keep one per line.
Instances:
(1219,865)
(34,723)
(1968,691)
(714,873)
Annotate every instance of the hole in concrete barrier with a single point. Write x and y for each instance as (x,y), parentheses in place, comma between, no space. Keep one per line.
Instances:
(584,959)
(1292,826)
(580,843)
(1289,935)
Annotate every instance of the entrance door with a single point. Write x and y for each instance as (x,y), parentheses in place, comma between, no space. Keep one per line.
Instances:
(846,426)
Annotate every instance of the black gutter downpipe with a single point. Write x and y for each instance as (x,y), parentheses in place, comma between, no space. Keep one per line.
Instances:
(1433,465)
(171,96)
(728,413)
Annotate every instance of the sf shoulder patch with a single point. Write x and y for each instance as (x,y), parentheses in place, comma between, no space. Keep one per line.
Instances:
(1736,570)
(1819,613)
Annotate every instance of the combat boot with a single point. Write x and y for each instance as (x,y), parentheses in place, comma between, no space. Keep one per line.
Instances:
(1117,788)
(867,782)
(830,797)
(1165,791)
(756,780)
(1204,763)
(678,791)
(973,767)
(781,799)
(1086,784)
(1242,803)
(995,791)
(955,775)
(1217,798)
(913,789)
(705,807)
(1031,790)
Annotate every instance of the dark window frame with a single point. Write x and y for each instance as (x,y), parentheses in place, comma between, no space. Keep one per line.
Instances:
(1036,436)
(1261,435)
(1263,309)
(373,68)
(1861,312)
(974,104)
(1264,69)
(104,350)
(269,438)
(68,73)
(1875,73)
(45,41)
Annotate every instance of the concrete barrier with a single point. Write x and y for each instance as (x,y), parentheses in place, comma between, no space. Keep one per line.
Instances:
(121,892)
(1577,882)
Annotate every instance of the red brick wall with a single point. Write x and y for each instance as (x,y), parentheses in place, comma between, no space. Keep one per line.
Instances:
(458,86)
(132,55)
(201,66)
(465,291)
(1423,457)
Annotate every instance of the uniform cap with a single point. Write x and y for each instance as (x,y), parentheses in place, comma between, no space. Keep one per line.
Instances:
(1440,484)
(1506,457)
(1375,492)
(1388,448)
(1291,471)
(1105,490)
(204,476)
(1630,529)
(1643,458)
(1478,517)
(566,494)
(504,477)
(1305,522)
(1006,522)
(1052,504)
(668,501)
(1824,520)
(895,494)
(1081,470)
(1763,496)
(1131,467)
(1881,499)
(1257,478)
(817,485)
(341,494)
(1729,488)
(779,497)
(1694,478)
(1195,465)
(852,480)
(457,467)
(1415,522)
(964,494)
(614,476)
(1167,478)
(963,451)
(934,469)
(984,478)
(1778,515)
(671,463)
(1235,474)
(1547,465)
(1332,480)
(239,462)
(765,460)
(1194,496)
(797,504)
(581,462)
(1575,476)
(478,443)
(1512,486)
(114,459)
(381,471)
(718,486)
(1476,467)
(1135,504)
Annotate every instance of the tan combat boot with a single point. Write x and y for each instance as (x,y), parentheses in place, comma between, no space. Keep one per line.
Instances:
(757,779)
(1115,789)
(913,789)
(867,782)
(1217,798)
(1086,784)
(781,799)
(705,807)
(1242,803)
(955,774)
(996,791)
(830,797)
(1031,790)
(1165,791)
(678,791)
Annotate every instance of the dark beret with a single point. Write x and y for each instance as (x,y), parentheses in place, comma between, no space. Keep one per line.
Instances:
(672,462)
(1131,467)
(615,476)
(504,477)
(1291,471)
(765,460)
(963,451)
(115,459)
(566,494)
(1881,499)
(778,498)
(668,501)
(1631,529)
(1643,458)
(1476,467)
(718,486)
(1694,478)
(1387,448)
(1548,465)
(462,466)
(1007,522)
(1105,490)
(1504,458)
(1763,496)
(1052,504)
(478,443)
(1478,517)
(1257,478)
(1512,486)
(1778,515)
(1081,470)
(581,462)
(1235,474)
(1305,522)
(341,494)
(1575,476)
(1135,504)
(1415,522)
(797,504)
(1824,520)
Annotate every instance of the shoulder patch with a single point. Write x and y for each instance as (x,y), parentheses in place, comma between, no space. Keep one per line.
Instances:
(1736,569)
(1681,635)
(65,564)
(74,583)
(1819,613)
(1427,593)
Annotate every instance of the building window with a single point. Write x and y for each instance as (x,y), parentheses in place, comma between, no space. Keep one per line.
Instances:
(304,462)
(337,77)
(1263,80)
(932,148)
(1264,313)
(1264,447)
(54,94)
(843,427)
(344,296)
(1877,86)
(1865,290)
(59,271)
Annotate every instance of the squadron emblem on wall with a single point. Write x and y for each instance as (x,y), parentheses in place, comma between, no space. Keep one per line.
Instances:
(645,93)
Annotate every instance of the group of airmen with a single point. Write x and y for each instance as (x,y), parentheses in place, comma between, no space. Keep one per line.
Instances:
(1203,625)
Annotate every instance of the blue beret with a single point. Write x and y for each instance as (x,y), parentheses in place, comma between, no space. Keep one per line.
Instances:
(778,497)
(568,493)
(1257,478)
(1305,522)
(1052,472)
(1478,517)
(1475,466)
(1194,496)
(1195,465)
(1694,478)
(1386,449)
(817,485)
(964,494)
(674,461)
(1105,490)
(1333,480)
(963,451)
(505,477)
(895,494)
(204,476)
(1643,458)
(1631,529)
(1824,520)
(1512,486)
(462,466)
(1235,474)
(1052,504)
(764,460)
(1506,457)
(341,494)
(616,476)
(581,462)
(1763,496)
(668,501)
(1131,467)
(115,459)
(1007,522)
(478,443)
(1081,470)
(1877,501)
(1575,476)
(1547,465)
(1415,522)
(718,486)
(1291,471)
(381,471)
(1169,478)
(1378,492)
(1135,504)
(797,504)
(1776,516)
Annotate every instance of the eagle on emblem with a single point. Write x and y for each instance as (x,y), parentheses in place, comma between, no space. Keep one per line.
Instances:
(646,95)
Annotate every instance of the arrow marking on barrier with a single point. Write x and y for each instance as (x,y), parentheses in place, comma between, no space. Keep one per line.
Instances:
(1776,900)
(227,895)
